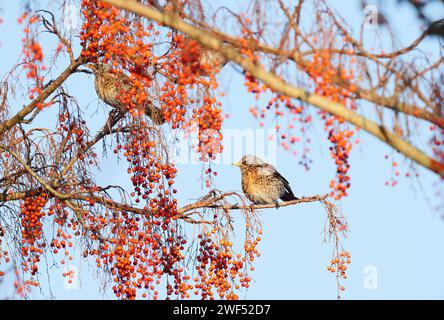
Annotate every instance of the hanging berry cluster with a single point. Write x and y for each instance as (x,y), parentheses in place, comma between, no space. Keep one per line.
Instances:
(33,244)
(223,270)
(322,71)
(188,88)
(145,247)
(65,227)
(75,133)
(338,265)
(33,58)
(35,210)
(218,266)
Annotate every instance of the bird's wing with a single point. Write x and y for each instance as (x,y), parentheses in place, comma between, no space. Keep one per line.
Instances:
(288,192)
(279,176)
(272,171)
(267,169)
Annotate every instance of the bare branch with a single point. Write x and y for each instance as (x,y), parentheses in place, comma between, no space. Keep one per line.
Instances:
(19,116)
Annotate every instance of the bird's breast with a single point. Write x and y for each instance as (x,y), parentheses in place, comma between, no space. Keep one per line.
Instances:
(260,189)
(107,90)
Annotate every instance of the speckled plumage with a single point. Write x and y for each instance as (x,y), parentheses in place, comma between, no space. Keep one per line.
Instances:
(111,86)
(262,183)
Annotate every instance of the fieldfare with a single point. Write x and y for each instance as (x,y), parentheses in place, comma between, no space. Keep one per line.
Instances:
(110,87)
(262,183)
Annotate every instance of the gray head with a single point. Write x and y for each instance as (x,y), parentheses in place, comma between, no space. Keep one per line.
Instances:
(249,160)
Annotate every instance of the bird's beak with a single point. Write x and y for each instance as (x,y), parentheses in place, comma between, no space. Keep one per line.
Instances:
(237,164)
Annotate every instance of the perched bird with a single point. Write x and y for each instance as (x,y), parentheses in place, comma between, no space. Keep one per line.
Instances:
(110,87)
(262,183)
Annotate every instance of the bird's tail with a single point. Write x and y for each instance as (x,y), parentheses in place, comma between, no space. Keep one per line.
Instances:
(288,196)
(156,114)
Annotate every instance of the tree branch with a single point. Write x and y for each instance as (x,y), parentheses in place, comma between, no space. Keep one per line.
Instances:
(113,118)
(212,203)
(35,175)
(393,103)
(19,116)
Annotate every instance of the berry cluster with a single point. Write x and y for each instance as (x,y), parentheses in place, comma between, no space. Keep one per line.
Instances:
(33,244)
(33,59)
(338,265)
(221,268)
(325,74)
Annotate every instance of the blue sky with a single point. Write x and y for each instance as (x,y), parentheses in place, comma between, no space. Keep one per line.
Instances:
(393,230)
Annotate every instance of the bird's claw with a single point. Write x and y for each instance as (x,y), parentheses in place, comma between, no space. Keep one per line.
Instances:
(277,205)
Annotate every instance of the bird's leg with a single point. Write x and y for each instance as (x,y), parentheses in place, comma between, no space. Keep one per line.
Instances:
(276,203)
(212,193)
(252,207)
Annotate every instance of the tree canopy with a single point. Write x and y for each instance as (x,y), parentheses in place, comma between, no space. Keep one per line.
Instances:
(156,67)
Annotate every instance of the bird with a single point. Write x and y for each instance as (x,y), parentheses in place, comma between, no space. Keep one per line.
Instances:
(111,86)
(262,183)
